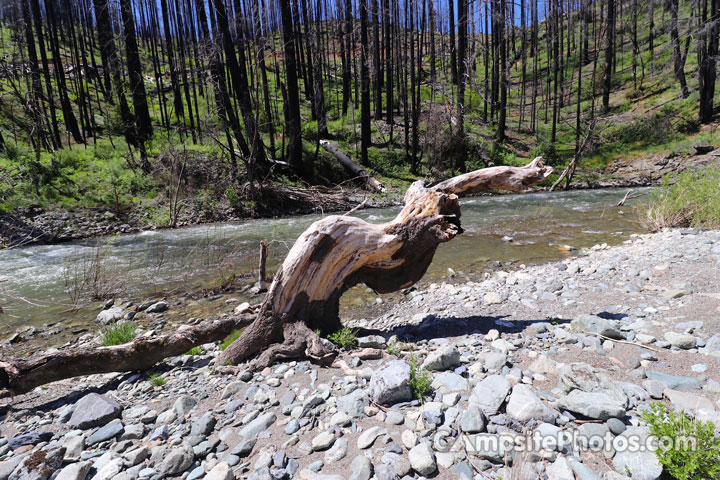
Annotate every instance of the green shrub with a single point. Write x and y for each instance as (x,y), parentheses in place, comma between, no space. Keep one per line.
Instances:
(230,339)
(195,351)
(118,333)
(232,196)
(689,199)
(343,338)
(420,379)
(688,449)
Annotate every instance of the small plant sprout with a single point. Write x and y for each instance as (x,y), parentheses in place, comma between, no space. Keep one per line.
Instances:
(343,338)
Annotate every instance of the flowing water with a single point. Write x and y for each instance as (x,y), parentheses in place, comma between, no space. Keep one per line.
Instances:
(51,283)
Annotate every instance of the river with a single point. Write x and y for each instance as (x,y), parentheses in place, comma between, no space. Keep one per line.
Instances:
(40,284)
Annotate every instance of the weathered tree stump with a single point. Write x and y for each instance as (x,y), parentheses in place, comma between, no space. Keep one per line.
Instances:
(331,256)
(338,252)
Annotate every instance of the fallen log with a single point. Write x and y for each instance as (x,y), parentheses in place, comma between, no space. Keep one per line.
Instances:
(338,252)
(354,168)
(21,375)
(331,256)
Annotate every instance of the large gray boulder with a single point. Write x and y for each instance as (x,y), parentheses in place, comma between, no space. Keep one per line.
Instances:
(391,383)
(594,405)
(524,405)
(111,315)
(490,393)
(581,376)
(94,410)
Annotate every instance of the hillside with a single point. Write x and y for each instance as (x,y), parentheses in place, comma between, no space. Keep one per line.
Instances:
(187,121)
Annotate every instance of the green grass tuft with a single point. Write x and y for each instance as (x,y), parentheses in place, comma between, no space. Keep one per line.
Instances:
(196,351)
(230,339)
(156,379)
(118,333)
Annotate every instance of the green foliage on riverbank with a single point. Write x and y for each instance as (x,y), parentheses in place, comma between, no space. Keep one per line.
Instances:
(688,449)
(118,333)
(690,199)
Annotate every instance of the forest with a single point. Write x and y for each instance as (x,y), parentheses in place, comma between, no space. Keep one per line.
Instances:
(188,103)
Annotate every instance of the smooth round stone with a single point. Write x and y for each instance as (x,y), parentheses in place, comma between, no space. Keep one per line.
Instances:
(616,426)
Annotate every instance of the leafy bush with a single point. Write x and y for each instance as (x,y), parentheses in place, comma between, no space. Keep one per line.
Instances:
(688,449)
(118,333)
(232,196)
(689,199)
(230,339)
(420,379)
(343,338)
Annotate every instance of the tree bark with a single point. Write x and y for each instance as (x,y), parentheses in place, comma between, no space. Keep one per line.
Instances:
(21,375)
(338,252)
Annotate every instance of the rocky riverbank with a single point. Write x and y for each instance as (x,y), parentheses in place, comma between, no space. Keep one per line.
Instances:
(33,224)
(564,354)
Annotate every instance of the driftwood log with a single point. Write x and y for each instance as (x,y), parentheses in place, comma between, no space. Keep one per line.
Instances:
(331,256)
(338,252)
(21,375)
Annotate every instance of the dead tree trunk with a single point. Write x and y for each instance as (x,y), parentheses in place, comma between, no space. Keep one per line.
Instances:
(21,375)
(331,256)
(353,167)
(338,252)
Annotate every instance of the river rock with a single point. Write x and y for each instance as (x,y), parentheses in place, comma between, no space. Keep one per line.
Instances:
(422,459)
(443,358)
(260,424)
(361,468)
(675,382)
(158,307)
(682,341)
(371,341)
(473,419)
(367,438)
(75,471)
(687,401)
(354,403)
(490,393)
(111,315)
(184,404)
(94,410)
(221,471)
(594,324)
(524,405)
(111,430)
(323,441)
(176,462)
(391,384)
(582,376)
(598,406)
(641,465)
(39,465)
(30,438)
